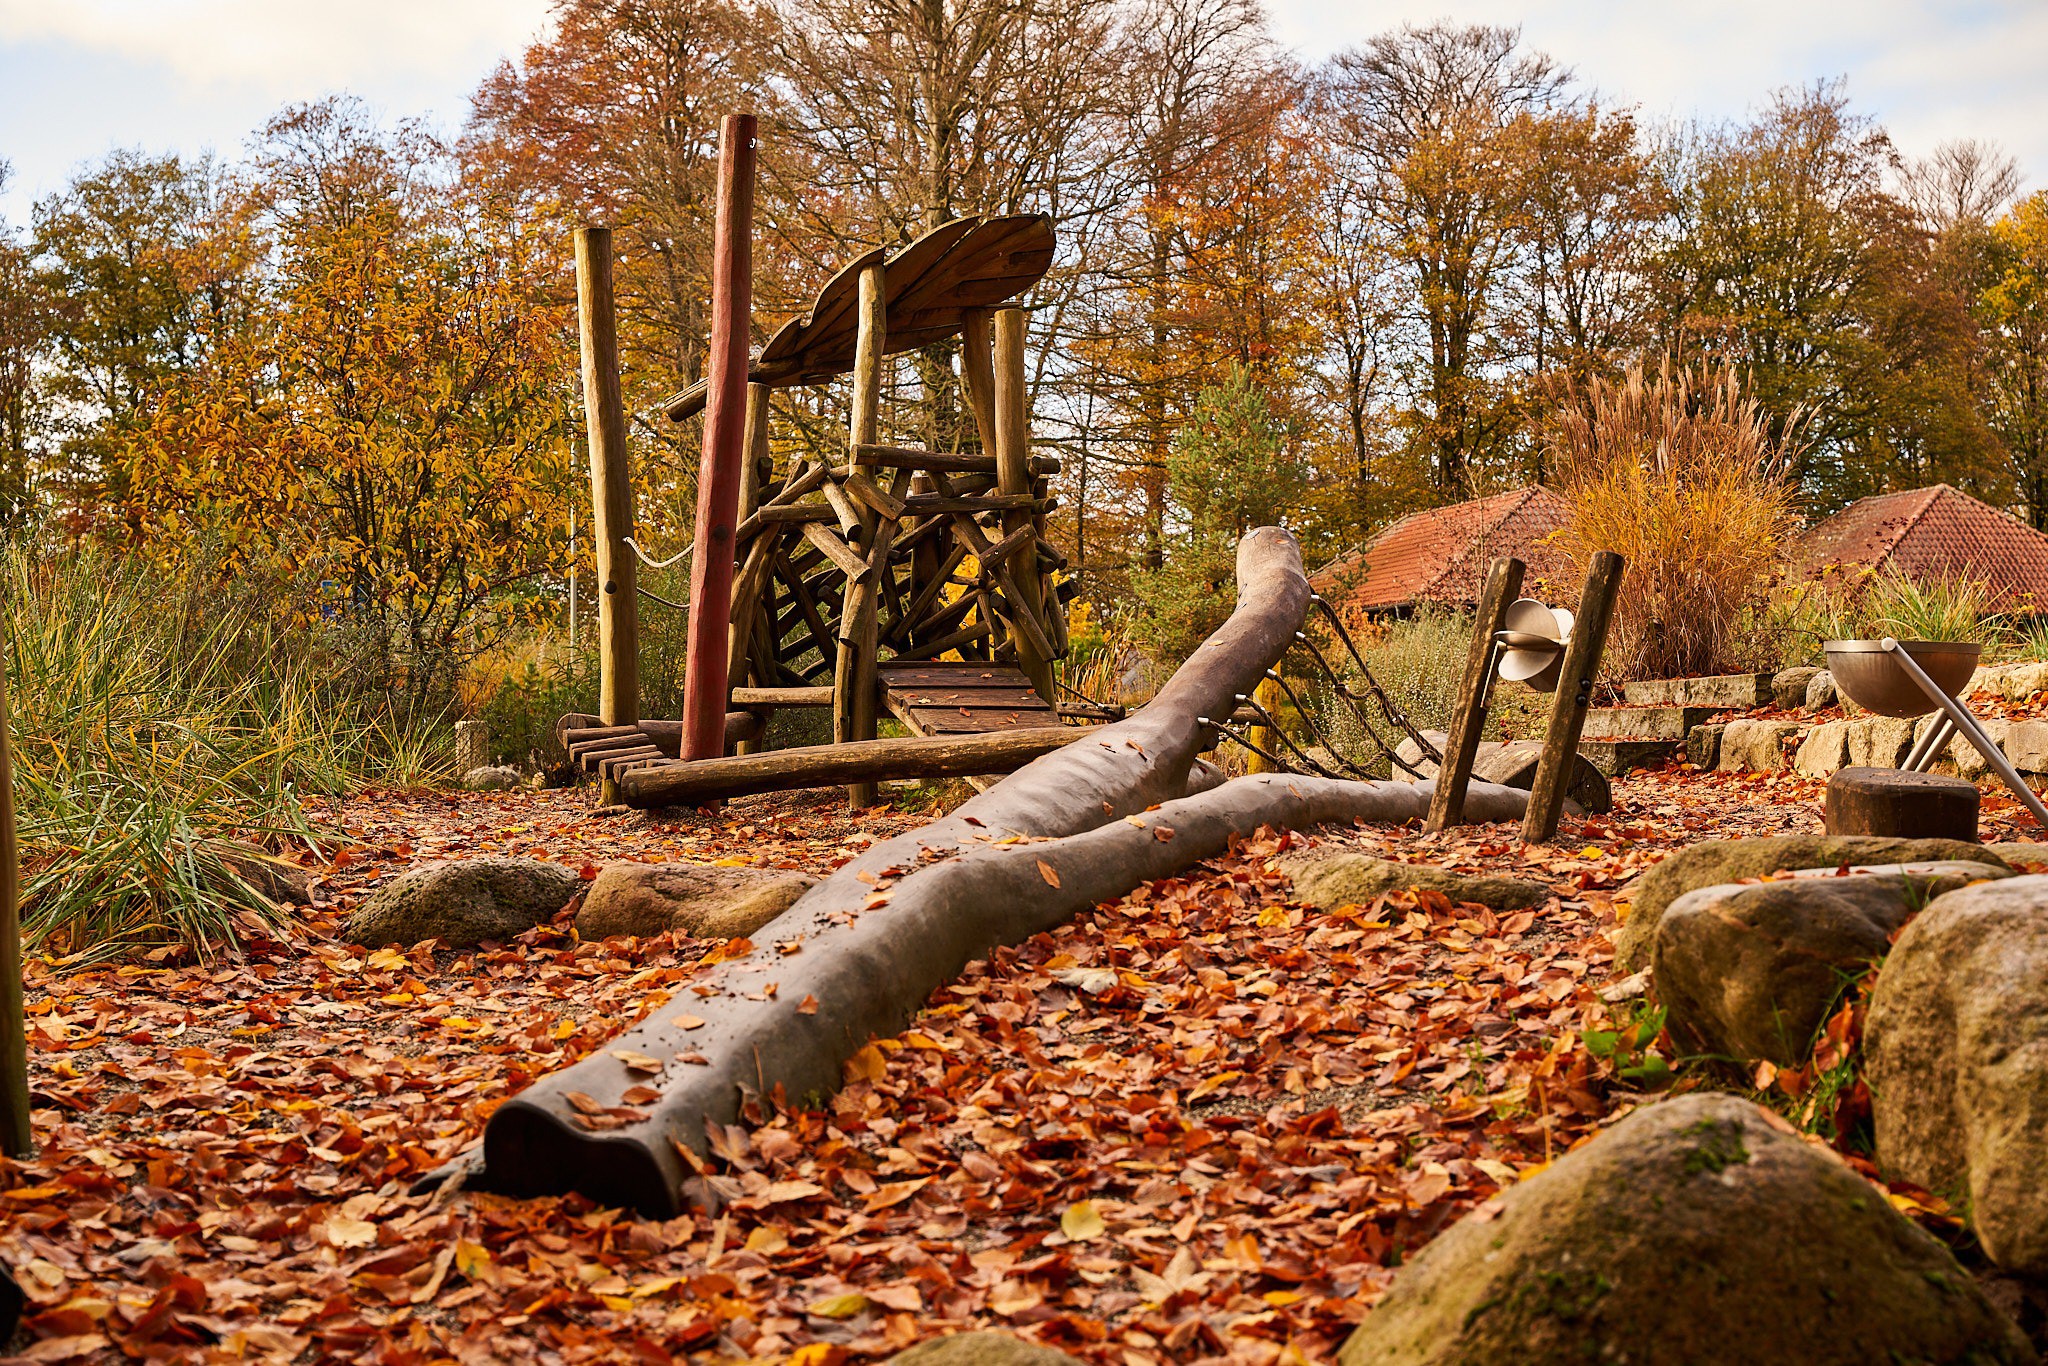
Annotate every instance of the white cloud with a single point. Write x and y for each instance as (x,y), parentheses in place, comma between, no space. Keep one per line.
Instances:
(286,49)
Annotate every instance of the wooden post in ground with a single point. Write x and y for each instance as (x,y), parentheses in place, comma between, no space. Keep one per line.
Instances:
(1267,695)
(853,674)
(17,1138)
(1574,694)
(705,685)
(611,486)
(745,613)
(1013,475)
(1468,717)
(978,374)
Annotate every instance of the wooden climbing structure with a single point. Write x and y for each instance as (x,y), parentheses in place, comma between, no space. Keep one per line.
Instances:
(881,580)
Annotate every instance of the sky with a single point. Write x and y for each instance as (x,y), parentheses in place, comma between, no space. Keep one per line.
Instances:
(81,77)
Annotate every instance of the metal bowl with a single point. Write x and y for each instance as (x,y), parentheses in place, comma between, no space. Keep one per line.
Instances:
(1871,677)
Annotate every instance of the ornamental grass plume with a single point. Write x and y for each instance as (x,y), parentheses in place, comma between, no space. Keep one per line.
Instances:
(1680,473)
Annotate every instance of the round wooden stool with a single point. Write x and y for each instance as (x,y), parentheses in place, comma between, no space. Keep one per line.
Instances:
(1896,801)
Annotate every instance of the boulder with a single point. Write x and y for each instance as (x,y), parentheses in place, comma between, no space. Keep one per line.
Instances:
(1703,746)
(981,1349)
(1752,971)
(1329,878)
(1824,751)
(1753,746)
(286,884)
(493,778)
(464,902)
(1879,741)
(685,898)
(1820,691)
(1956,1053)
(1697,1230)
(1788,686)
(2021,854)
(1719,861)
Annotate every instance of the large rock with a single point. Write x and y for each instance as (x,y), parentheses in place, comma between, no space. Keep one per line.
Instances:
(1718,861)
(1824,751)
(1329,878)
(464,903)
(1788,686)
(981,1349)
(261,871)
(1725,692)
(1879,741)
(1703,746)
(1820,691)
(1956,1052)
(493,778)
(1698,1230)
(1754,746)
(706,902)
(1752,971)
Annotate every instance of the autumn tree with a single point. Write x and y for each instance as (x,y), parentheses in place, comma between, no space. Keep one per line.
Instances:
(394,419)
(1432,119)
(2015,311)
(23,312)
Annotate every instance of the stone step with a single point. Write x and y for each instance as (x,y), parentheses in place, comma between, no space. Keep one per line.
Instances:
(1645,723)
(1722,692)
(1616,757)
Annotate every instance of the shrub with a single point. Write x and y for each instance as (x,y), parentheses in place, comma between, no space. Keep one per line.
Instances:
(1681,474)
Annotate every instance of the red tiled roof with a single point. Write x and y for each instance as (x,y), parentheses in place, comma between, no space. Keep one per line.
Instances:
(1441,554)
(1934,533)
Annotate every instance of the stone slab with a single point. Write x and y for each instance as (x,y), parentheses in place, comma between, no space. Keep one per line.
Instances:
(1724,692)
(1644,723)
(1616,757)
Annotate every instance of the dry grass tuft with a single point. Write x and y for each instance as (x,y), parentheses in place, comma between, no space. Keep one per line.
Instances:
(1680,473)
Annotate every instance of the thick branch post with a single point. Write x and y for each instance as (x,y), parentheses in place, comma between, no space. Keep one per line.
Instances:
(1574,695)
(853,676)
(611,483)
(17,1138)
(1013,476)
(705,684)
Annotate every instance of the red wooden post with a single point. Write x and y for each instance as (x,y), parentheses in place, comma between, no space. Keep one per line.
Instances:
(725,439)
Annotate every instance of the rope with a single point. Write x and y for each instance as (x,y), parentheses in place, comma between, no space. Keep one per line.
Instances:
(682,554)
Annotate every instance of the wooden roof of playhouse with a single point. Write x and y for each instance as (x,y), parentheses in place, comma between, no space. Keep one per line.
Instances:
(1440,555)
(1932,532)
(932,283)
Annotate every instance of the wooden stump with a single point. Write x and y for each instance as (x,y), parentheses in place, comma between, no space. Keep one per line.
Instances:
(1893,801)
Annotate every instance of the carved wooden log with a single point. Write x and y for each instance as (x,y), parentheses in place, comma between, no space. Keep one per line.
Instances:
(852,761)
(902,919)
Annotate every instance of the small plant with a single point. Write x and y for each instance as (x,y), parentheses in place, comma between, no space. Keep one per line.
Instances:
(1630,1046)
(1947,608)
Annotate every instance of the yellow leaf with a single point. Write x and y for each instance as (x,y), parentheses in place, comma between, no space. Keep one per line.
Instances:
(343,1231)
(840,1306)
(1081,1222)
(767,1240)
(639,1062)
(473,1260)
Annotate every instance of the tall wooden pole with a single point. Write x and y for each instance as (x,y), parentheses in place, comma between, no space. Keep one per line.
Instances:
(1574,694)
(725,445)
(16,1136)
(611,487)
(1468,714)
(853,675)
(1013,475)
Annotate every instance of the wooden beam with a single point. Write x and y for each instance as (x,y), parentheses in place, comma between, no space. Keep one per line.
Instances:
(1574,694)
(850,763)
(1013,477)
(611,483)
(978,377)
(1468,715)
(853,673)
(782,697)
(949,462)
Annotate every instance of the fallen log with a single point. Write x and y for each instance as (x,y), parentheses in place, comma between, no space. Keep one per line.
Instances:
(866,972)
(857,955)
(853,761)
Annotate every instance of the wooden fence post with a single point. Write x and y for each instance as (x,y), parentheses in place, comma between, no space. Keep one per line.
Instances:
(853,675)
(1574,694)
(705,682)
(1468,717)
(1013,475)
(17,1137)
(611,487)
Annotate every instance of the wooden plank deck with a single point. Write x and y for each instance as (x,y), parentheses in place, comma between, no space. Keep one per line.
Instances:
(962,699)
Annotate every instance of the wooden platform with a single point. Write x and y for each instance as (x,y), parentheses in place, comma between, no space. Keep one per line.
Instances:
(962,699)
